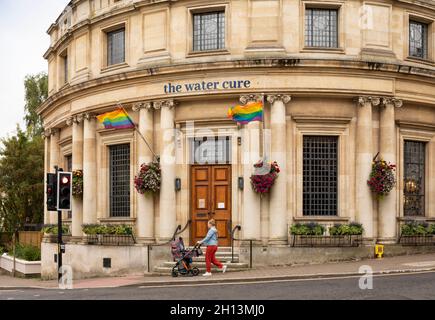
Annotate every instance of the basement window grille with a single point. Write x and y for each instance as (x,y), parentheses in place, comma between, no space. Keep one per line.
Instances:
(320,166)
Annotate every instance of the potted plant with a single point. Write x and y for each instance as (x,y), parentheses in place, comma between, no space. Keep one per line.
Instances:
(264,176)
(382,179)
(50,232)
(149,178)
(77,183)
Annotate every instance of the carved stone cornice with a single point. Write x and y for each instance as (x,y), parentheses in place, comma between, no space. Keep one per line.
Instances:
(78,118)
(142,105)
(284,98)
(164,104)
(364,100)
(397,103)
(250,98)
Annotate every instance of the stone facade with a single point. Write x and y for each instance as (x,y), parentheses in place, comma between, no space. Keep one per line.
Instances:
(367,91)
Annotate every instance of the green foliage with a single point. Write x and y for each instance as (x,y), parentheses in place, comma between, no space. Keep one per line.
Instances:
(312,228)
(52,229)
(121,229)
(431,229)
(21,180)
(352,228)
(2,250)
(36,91)
(415,228)
(22,163)
(26,252)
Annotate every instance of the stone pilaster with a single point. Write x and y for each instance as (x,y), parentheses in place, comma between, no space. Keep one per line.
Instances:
(145,203)
(251,215)
(77,164)
(168,216)
(278,224)
(89,170)
(364,156)
(388,205)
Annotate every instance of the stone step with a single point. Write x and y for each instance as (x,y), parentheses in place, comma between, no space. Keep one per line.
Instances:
(223,258)
(167,270)
(201,264)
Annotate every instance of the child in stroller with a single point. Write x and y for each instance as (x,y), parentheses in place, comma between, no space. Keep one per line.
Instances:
(183,258)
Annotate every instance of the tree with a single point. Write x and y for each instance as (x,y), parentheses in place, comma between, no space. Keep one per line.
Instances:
(22,163)
(36,91)
(21,180)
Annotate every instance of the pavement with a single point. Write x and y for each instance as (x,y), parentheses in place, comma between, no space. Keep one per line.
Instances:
(384,266)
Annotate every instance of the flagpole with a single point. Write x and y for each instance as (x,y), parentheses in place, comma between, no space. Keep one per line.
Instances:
(140,134)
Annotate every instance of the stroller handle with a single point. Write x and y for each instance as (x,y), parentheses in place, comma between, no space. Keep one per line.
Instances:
(197,245)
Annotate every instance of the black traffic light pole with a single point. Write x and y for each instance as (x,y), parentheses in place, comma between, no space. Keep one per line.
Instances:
(59,236)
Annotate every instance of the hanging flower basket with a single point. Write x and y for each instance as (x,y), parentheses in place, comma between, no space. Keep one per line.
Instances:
(77,183)
(382,179)
(263,178)
(149,178)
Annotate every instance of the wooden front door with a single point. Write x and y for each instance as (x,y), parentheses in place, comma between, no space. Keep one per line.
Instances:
(210,198)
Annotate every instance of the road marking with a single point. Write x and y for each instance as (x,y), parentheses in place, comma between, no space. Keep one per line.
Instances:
(198,284)
(36,295)
(420,264)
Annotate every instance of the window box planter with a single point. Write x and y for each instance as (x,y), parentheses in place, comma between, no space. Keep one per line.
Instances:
(52,238)
(110,239)
(25,268)
(326,241)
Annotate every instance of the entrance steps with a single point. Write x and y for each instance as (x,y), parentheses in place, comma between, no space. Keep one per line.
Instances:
(223,255)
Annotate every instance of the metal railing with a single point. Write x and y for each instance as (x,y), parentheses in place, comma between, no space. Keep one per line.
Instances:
(110,239)
(177,231)
(238,228)
(326,241)
(417,240)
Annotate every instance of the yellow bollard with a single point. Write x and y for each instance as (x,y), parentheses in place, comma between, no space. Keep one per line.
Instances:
(379,251)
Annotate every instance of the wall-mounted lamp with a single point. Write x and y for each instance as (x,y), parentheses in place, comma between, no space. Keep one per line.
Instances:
(241,183)
(177,184)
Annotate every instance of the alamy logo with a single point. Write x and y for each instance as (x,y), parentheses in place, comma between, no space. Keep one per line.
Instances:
(66,280)
(366,281)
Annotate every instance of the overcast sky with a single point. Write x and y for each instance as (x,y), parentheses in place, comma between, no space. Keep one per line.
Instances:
(23,41)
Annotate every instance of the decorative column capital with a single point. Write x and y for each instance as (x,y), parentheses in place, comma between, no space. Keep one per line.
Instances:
(250,98)
(69,121)
(142,105)
(284,98)
(397,103)
(78,118)
(88,116)
(50,132)
(363,100)
(164,104)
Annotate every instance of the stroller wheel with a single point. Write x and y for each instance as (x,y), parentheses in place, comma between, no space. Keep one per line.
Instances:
(195,271)
(174,273)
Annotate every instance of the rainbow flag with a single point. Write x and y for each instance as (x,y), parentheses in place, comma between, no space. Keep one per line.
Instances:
(252,111)
(117,119)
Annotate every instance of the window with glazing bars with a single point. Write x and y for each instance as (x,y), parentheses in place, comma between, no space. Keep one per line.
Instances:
(320,157)
(119,180)
(321,28)
(116,47)
(209,31)
(65,69)
(418,39)
(211,150)
(414,171)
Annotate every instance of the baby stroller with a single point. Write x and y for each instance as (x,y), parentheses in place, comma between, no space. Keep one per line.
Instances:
(183,258)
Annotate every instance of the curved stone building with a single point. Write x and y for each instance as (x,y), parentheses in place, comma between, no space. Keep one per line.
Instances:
(341,81)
